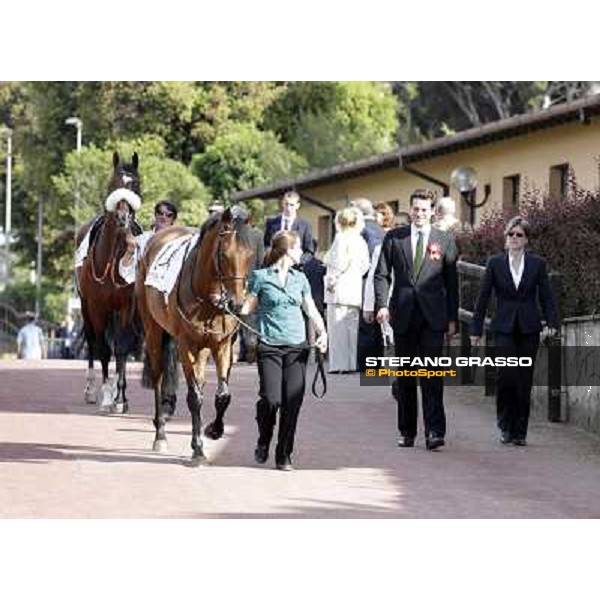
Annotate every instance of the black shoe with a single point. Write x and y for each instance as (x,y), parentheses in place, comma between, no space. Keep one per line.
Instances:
(519,442)
(284,464)
(505,437)
(261,454)
(433,442)
(406,442)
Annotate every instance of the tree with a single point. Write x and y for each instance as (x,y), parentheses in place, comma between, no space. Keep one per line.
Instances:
(220,104)
(332,122)
(437,108)
(244,157)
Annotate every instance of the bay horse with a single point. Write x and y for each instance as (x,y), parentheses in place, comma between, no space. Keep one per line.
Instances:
(107,302)
(198,314)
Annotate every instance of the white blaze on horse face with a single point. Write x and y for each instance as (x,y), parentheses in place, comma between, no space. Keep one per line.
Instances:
(126,179)
(123,211)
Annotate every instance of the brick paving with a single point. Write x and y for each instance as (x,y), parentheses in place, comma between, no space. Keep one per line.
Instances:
(58,458)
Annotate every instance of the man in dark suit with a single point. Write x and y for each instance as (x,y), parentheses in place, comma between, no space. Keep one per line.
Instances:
(422,308)
(289,220)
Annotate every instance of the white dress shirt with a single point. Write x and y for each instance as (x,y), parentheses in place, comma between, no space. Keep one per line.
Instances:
(289,221)
(414,237)
(516,262)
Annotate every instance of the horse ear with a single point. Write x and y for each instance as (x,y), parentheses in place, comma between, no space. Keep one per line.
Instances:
(135,161)
(116,159)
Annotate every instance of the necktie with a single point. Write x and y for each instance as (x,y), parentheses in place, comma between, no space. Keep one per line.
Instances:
(285,225)
(418,259)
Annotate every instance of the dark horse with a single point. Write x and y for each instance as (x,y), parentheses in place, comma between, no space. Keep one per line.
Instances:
(197,314)
(107,302)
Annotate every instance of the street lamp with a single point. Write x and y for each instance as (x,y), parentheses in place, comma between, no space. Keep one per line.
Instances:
(78,123)
(464,181)
(7,133)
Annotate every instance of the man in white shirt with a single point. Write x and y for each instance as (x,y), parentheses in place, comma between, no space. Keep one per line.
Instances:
(445,214)
(422,308)
(30,341)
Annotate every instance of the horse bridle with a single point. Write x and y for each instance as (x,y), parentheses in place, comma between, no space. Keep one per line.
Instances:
(224,298)
(220,302)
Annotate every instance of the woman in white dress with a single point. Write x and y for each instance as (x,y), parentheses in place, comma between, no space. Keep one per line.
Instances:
(347,261)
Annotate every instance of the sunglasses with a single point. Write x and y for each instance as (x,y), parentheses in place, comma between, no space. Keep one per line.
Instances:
(515,233)
(169,215)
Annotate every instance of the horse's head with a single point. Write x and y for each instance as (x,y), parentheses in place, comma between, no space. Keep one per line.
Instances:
(233,253)
(125,175)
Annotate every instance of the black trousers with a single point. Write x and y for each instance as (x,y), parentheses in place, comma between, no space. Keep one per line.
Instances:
(513,393)
(282,375)
(419,340)
(370,342)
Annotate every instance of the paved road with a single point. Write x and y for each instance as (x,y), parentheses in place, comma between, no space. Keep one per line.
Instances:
(58,458)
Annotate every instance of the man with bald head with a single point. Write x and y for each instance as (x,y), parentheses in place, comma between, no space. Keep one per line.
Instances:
(444,217)
(373,232)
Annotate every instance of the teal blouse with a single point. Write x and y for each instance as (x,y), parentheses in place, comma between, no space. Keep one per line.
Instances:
(279,312)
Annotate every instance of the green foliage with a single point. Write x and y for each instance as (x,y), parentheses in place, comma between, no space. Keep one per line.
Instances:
(220,104)
(22,294)
(244,157)
(332,122)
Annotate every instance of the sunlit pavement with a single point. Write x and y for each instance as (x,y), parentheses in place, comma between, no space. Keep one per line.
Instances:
(59,458)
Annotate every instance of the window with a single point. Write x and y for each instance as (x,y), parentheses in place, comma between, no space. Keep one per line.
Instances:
(559,177)
(510,194)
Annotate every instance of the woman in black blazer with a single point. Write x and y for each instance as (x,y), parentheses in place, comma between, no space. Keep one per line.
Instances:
(519,279)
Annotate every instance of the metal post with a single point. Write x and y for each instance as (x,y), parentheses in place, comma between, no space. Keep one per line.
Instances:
(554,348)
(38,277)
(8,221)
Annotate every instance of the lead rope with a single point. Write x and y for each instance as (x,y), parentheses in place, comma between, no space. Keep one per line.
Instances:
(319,371)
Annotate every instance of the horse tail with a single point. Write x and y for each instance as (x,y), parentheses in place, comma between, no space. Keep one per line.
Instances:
(169,367)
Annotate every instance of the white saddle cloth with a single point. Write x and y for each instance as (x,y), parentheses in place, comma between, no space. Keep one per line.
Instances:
(165,268)
(83,249)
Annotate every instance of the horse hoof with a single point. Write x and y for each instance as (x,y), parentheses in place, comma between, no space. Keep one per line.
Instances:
(198,460)
(90,398)
(214,431)
(119,408)
(160,446)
